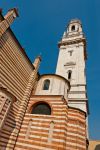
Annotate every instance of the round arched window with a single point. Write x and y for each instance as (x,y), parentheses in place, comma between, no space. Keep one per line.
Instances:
(69,74)
(73,28)
(46,84)
(41,108)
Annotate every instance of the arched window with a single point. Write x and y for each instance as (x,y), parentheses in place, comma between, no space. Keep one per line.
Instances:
(73,28)
(46,84)
(41,108)
(6,101)
(69,74)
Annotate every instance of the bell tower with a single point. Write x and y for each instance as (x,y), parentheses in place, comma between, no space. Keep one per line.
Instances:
(71,63)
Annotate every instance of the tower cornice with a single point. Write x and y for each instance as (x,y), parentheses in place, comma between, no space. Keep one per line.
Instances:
(74,41)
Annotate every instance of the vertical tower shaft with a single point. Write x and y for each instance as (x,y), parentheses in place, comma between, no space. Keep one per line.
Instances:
(71,63)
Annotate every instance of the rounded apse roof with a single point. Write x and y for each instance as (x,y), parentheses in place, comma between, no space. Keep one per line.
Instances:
(56,76)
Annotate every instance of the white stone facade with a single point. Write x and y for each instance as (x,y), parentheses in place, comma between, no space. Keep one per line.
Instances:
(58,86)
(72,56)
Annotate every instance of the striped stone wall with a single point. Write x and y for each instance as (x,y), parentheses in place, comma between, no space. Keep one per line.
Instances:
(17,76)
(15,67)
(76,131)
(44,131)
(68,133)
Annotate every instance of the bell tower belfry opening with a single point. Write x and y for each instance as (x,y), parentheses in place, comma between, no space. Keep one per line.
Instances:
(71,63)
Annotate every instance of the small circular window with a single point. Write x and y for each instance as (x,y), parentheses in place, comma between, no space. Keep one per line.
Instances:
(41,108)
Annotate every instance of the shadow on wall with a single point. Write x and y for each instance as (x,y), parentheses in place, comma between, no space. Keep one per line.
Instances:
(97,147)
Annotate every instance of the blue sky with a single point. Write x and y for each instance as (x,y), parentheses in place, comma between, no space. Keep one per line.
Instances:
(40,26)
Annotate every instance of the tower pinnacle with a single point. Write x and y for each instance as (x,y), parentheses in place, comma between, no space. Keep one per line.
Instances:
(37,62)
